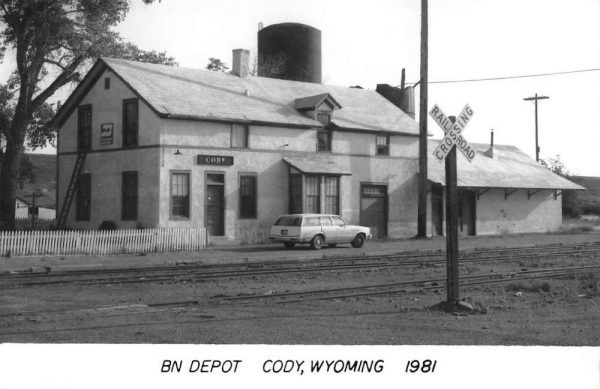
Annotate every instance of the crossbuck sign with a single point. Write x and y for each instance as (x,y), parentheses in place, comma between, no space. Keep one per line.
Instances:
(453,133)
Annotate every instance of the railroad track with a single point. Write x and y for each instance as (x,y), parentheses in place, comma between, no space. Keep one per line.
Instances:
(197,272)
(299,296)
(400,287)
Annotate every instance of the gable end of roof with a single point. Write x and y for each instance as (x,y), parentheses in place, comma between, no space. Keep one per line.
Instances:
(90,79)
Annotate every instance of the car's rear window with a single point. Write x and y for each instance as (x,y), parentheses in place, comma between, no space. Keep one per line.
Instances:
(289,221)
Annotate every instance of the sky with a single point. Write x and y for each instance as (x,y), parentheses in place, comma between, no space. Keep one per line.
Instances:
(369,42)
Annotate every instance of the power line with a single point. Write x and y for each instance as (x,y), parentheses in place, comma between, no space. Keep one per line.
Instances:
(510,77)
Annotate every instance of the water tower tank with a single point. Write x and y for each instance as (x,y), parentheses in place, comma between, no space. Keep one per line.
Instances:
(290,51)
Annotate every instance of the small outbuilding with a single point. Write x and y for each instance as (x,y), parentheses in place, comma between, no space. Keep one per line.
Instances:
(501,191)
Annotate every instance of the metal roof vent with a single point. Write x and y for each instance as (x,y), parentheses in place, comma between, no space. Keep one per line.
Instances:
(490,152)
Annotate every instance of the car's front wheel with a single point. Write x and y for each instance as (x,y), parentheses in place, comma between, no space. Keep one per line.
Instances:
(317,242)
(359,241)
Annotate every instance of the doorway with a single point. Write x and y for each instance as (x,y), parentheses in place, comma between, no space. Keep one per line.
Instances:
(437,209)
(467,206)
(215,204)
(373,209)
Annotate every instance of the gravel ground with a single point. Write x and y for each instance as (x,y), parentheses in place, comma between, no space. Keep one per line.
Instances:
(555,311)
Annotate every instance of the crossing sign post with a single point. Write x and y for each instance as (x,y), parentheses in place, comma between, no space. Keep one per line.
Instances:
(446,151)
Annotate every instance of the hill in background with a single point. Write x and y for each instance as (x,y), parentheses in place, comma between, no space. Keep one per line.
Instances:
(588,201)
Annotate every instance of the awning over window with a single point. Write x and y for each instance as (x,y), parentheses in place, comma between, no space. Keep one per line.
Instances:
(319,166)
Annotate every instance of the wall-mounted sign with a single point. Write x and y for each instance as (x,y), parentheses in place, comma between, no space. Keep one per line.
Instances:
(106,134)
(215,160)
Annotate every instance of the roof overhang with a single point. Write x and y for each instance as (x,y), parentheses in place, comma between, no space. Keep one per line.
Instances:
(318,166)
(475,187)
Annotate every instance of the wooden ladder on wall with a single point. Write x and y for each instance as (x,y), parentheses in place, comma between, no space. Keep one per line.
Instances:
(64,210)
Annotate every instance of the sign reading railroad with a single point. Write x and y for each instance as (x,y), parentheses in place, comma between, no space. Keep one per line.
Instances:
(215,160)
(453,132)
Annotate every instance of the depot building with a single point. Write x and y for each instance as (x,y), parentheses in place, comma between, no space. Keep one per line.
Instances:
(146,145)
(164,146)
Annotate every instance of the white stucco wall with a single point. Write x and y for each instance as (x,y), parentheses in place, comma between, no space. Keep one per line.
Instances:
(107,107)
(106,163)
(273,194)
(517,214)
(106,172)
(264,157)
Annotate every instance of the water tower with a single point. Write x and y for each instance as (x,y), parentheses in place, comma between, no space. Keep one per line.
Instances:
(290,51)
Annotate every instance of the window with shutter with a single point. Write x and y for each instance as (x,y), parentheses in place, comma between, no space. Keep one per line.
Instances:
(130,122)
(248,196)
(84,127)
(129,195)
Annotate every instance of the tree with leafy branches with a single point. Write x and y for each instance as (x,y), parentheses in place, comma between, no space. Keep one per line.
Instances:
(216,65)
(556,166)
(53,42)
(571,206)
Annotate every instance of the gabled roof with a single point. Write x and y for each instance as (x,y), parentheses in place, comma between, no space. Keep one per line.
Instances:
(195,94)
(510,168)
(312,102)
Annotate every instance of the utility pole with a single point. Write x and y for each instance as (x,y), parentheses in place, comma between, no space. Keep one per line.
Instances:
(536,98)
(422,201)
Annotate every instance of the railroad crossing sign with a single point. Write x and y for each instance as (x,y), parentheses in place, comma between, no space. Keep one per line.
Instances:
(453,133)
(446,151)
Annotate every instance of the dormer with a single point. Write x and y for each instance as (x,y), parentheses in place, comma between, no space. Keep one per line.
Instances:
(319,107)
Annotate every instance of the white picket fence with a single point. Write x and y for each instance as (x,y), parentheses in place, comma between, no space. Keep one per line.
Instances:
(21,243)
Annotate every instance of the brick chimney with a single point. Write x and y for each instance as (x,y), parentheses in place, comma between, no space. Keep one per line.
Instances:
(241,63)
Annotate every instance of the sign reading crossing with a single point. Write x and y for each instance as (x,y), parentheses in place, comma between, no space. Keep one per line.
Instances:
(453,132)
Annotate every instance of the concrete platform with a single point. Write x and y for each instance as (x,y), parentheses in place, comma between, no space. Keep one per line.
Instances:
(257,253)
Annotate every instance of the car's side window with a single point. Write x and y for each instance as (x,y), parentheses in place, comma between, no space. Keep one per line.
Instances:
(325,221)
(312,222)
(337,221)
